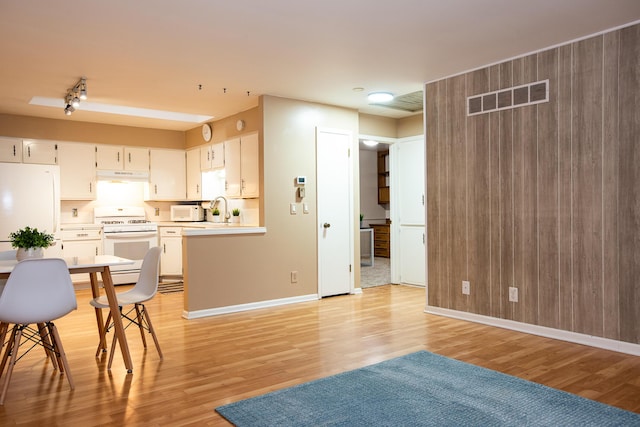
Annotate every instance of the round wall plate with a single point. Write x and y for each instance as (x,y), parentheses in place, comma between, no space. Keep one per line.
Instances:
(240,124)
(206,132)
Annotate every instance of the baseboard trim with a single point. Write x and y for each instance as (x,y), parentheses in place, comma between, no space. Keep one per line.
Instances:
(246,307)
(574,337)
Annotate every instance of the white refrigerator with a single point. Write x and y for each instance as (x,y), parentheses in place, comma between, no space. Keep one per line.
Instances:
(30,196)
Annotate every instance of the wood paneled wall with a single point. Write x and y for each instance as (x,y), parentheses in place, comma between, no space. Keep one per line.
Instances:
(545,198)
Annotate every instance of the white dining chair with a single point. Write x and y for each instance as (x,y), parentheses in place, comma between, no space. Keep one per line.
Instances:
(145,288)
(37,292)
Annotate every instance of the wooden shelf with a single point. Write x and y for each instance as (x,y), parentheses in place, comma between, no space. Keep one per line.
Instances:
(383,177)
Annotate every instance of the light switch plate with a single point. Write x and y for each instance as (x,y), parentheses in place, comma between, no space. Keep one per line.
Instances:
(292,209)
(305,208)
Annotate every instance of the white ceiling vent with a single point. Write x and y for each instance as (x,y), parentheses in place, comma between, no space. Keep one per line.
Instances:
(411,102)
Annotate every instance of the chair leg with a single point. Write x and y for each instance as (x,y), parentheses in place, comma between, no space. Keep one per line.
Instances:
(4,328)
(102,346)
(7,351)
(59,350)
(12,362)
(48,345)
(140,323)
(152,331)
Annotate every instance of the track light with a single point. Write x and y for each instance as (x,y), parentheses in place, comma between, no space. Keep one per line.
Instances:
(83,89)
(74,95)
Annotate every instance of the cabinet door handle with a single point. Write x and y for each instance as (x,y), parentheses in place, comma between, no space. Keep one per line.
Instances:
(29,151)
(118,157)
(14,150)
(155,188)
(129,157)
(164,248)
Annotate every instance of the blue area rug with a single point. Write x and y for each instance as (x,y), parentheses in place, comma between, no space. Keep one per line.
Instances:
(423,389)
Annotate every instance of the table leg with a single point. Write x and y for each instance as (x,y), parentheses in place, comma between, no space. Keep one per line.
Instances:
(110,291)
(95,290)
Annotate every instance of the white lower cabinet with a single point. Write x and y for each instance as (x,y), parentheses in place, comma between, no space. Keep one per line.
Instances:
(81,241)
(171,255)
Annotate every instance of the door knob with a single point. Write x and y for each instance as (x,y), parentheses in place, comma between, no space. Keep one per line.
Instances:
(326,225)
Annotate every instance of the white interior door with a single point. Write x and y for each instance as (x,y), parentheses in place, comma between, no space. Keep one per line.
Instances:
(408,217)
(335,212)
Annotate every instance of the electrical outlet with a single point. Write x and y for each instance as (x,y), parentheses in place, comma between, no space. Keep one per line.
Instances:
(513,294)
(294,277)
(466,287)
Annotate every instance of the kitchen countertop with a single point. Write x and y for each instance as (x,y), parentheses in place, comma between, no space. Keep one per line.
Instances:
(204,228)
(79,226)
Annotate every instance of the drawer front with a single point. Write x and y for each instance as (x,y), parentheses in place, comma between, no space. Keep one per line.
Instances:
(170,231)
(81,235)
(381,230)
(382,252)
(380,244)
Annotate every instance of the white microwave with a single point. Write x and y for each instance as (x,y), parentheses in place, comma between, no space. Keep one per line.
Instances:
(188,213)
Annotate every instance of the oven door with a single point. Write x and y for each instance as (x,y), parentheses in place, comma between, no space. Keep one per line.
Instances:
(132,245)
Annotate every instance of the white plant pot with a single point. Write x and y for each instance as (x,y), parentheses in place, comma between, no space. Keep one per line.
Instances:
(23,253)
(235,219)
(216,218)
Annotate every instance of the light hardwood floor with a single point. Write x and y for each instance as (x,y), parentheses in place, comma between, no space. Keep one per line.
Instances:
(212,361)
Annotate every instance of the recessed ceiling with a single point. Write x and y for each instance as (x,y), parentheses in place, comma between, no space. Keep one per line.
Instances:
(216,58)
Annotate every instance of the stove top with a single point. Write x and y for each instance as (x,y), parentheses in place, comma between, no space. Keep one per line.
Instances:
(123,219)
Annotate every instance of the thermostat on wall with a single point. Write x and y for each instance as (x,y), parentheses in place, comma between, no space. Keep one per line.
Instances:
(301,180)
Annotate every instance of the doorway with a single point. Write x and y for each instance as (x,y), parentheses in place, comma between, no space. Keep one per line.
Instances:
(374,183)
(404,212)
(335,212)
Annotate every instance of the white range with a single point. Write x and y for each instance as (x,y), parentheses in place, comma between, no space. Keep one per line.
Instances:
(127,234)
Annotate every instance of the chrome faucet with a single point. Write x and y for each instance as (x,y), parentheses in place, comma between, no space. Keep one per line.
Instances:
(214,203)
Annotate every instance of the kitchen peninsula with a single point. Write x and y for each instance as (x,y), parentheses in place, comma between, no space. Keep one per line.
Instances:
(217,268)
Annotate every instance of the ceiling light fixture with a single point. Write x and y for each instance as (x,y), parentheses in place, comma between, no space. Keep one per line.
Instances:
(370,142)
(375,97)
(74,95)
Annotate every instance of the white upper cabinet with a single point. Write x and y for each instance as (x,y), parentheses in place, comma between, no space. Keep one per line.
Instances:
(136,159)
(250,166)
(114,157)
(167,175)
(232,167)
(41,152)
(242,166)
(212,157)
(77,171)
(194,175)
(10,150)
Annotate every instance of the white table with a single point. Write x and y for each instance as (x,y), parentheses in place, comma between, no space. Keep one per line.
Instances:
(366,246)
(93,265)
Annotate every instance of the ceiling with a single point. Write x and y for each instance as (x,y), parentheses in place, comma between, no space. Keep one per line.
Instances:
(212,57)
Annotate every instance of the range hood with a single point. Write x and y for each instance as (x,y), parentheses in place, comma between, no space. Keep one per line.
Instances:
(113,175)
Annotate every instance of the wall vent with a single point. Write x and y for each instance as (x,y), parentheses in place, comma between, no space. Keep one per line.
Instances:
(504,99)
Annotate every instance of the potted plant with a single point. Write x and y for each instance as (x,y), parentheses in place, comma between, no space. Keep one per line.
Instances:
(30,242)
(361,219)
(235,215)
(215,212)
